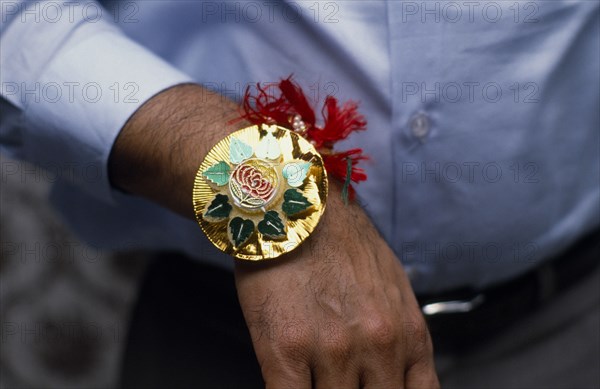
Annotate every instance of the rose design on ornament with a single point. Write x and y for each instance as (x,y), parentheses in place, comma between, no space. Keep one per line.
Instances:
(253,184)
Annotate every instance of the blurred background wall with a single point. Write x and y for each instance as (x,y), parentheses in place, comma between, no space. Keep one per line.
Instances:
(64,306)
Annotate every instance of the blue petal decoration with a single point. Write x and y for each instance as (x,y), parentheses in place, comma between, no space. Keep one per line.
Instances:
(295,173)
(239,151)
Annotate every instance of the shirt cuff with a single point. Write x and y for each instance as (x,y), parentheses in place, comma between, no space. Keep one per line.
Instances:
(83,96)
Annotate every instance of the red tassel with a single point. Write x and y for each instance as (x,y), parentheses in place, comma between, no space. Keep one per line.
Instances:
(265,107)
(294,95)
(339,123)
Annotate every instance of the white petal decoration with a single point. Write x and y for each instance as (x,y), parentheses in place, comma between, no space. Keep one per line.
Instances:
(268,147)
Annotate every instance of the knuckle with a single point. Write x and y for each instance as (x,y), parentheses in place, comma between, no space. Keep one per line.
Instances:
(295,338)
(415,330)
(294,354)
(380,330)
(294,346)
(337,348)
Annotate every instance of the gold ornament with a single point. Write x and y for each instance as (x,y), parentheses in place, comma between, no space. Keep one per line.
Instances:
(260,192)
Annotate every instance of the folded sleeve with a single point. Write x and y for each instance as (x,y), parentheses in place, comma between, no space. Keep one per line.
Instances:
(70,81)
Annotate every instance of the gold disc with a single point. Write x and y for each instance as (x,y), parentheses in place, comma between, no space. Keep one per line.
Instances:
(260,192)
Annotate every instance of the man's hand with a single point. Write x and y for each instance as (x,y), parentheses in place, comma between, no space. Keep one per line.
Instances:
(338,312)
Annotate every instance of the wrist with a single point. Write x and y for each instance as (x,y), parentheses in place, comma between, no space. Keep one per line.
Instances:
(158,151)
(330,238)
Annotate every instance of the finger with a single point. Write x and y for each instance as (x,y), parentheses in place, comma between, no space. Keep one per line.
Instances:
(421,369)
(333,374)
(324,379)
(334,364)
(422,376)
(383,378)
(287,377)
(383,360)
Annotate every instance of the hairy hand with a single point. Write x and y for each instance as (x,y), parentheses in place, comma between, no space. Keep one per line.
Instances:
(339,312)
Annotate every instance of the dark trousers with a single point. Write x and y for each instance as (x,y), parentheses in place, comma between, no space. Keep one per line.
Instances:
(188,331)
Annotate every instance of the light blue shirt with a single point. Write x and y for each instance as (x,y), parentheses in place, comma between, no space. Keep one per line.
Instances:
(483,117)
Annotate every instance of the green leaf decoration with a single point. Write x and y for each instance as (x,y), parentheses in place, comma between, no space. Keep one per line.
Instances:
(295,173)
(346,187)
(218,173)
(239,151)
(220,208)
(272,225)
(268,147)
(294,202)
(240,230)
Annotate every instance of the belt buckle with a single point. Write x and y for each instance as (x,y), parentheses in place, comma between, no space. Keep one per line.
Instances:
(452,306)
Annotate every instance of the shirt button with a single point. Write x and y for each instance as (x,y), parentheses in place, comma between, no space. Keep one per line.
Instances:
(419,125)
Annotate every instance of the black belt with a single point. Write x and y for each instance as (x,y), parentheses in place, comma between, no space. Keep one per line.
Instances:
(461,319)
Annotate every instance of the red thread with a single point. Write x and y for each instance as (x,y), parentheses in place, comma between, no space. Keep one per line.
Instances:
(268,106)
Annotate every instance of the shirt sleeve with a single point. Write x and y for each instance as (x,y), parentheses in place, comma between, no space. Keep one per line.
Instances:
(70,80)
